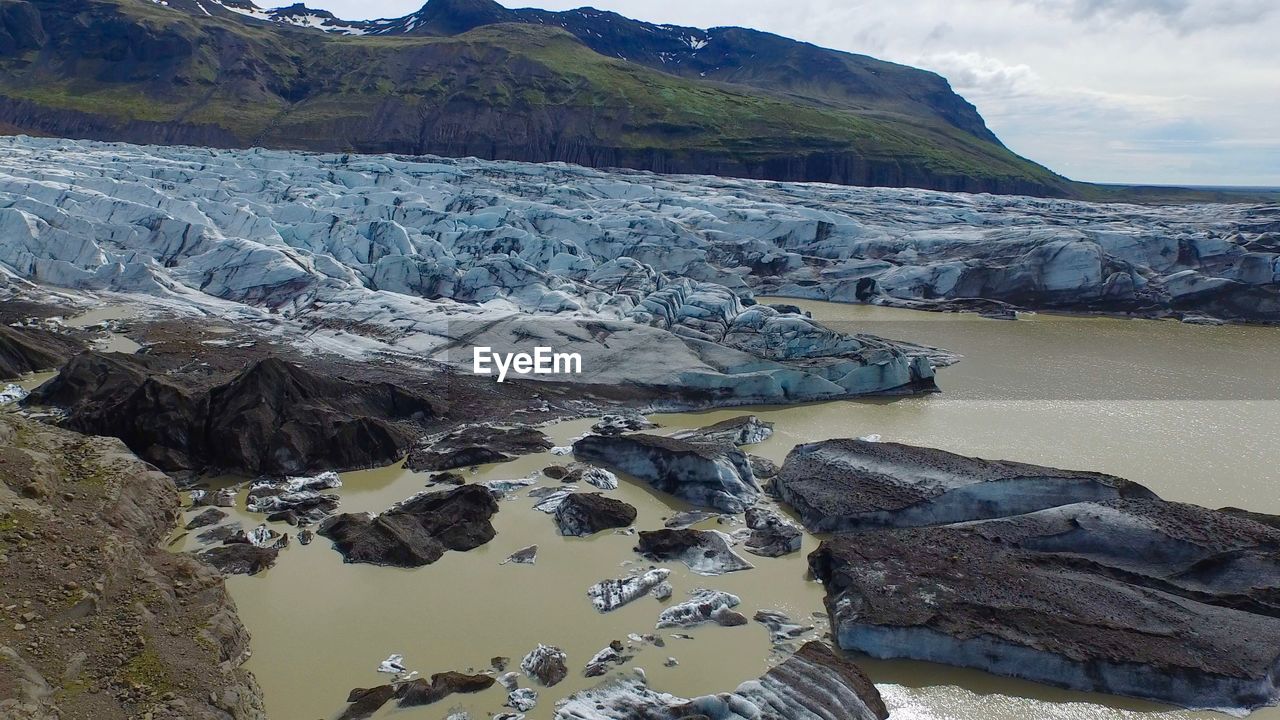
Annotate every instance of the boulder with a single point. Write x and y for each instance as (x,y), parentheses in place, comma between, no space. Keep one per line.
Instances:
(716,477)
(706,552)
(418,531)
(771,534)
(419,691)
(476,445)
(240,558)
(211,516)
(546,664)
(367,701)
(582,514)
(851,485)
(1134,597)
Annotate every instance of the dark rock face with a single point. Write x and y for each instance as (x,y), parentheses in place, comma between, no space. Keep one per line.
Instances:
(706,552)
(275,415)
(717,477)
(211,516)
(1136,597)
(844,485)
(20,28)
(240,558)
(24,351)
(367,701)
(274,418)
(582,514)
(149,61)
(815,683)
(418,531)
(476,445)
(422,692)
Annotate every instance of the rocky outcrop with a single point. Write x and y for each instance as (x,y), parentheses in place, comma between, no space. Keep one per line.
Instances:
(277,418)
(420,691)
(26,350)
(417,531)
(1076,579)
(582,514)
(716,477)
(367,701)
(476,445)
(82,520)
(813,684)
(240,558)
(706,552)
(1135,597)
(274,418)
(846,485)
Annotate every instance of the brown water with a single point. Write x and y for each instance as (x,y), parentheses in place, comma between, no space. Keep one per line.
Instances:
(1037,390)
(108,341)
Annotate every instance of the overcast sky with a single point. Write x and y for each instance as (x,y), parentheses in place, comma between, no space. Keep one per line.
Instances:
(1135,91)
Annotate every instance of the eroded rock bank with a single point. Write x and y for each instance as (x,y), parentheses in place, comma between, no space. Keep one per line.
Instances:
(273,418)
(1074,579)
(843,485)
(32,350)
(813,684)
(101,620)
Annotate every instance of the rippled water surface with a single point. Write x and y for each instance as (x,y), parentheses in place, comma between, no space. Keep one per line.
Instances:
(1190,411)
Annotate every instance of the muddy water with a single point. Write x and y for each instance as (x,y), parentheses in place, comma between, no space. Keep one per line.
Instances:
(109,340)
(1035,390)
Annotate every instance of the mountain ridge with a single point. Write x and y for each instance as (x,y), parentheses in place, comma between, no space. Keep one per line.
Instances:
(473,78)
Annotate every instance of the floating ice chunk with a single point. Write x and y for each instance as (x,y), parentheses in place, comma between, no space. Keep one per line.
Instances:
(609,595)
(562,450)
(522,700)
(393,665)
(870,438)
(11,394)
(503,487)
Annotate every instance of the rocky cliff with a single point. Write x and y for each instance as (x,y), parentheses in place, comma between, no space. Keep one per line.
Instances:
(99,619)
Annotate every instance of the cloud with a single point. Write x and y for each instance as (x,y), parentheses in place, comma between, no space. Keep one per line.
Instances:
(1161,91)
(1185,16)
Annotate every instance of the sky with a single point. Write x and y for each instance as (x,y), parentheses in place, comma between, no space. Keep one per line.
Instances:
(1123,91)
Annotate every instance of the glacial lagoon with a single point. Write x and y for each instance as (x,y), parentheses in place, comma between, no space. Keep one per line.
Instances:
(1191,411)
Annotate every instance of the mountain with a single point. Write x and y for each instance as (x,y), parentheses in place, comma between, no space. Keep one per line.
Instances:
(471,77)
